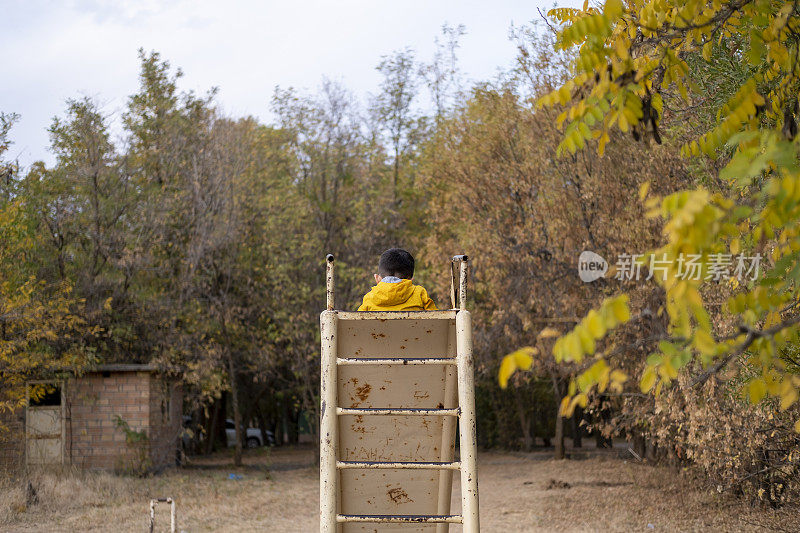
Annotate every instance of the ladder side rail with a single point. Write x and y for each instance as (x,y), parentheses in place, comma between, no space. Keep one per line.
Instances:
(467,426)
(330,282)
(328,434)
(462,286)
(453,286)
(447,450)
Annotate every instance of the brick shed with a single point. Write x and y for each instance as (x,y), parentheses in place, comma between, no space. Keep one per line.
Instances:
(114,417)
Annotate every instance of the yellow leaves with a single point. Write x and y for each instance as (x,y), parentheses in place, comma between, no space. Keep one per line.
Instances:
(667,371)
(707,48)
(564,14)
(599,374)
(788,398)
(521,359)
(581,340)
(548,333)
(568,404)
(613,8)
(37,315)
(648,379)
(763,173)
(107,304)
(594,324)
(617,377)
(563,409)
(601,143)
(619,309)
(737,111)
(756,390)
(704,342)
(657,103)
(643,190)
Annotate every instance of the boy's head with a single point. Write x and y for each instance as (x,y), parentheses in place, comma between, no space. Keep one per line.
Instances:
(396,262)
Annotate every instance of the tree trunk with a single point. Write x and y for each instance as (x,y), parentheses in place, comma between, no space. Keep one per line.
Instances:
(559,437)
(212,427)
(577,441)
(527,438)
(237,416)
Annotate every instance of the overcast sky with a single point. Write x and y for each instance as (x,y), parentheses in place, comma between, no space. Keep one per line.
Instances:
(53,50)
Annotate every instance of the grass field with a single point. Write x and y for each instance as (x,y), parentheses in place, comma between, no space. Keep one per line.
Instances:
(278,491)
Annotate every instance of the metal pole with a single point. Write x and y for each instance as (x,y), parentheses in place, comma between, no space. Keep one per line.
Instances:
(152,515)
(462,260)
(173,514)
(462,288)
(328,434)
(453,285)
(466,426)
(329,281)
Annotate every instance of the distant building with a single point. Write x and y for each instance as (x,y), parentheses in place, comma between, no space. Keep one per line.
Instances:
(114,417)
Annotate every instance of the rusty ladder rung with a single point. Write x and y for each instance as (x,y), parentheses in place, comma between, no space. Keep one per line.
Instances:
(341,361)
(401,519)
(452,465)
(397,411)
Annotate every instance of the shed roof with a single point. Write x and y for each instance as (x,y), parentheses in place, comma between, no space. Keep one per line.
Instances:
(124,368)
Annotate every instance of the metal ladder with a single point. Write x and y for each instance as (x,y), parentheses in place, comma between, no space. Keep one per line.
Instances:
(331,467)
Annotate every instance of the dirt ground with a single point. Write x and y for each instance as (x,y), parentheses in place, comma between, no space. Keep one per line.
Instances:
(278,491)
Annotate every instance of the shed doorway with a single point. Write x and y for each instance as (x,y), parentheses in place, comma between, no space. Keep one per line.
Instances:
(44,423)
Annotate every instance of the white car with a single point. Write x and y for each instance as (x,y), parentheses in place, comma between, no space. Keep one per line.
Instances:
(252,437)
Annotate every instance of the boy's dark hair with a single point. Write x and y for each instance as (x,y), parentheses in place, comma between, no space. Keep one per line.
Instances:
(396,262)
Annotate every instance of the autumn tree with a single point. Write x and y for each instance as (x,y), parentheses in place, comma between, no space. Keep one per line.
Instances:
(442,74)
(641,68)
(40,333)
(394,111)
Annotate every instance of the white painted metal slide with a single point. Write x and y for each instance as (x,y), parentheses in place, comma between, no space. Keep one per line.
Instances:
(395,385)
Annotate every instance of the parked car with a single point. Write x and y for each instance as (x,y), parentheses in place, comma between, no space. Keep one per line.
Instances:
(252,437)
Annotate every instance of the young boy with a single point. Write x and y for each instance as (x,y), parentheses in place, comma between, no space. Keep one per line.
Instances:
(394,290)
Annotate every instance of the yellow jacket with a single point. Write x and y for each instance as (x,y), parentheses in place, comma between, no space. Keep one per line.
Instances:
(401,296)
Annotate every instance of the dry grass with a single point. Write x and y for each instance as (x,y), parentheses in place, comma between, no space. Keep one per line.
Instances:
(519,492)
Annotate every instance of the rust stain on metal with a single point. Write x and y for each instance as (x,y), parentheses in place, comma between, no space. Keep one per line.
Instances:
(421,395)
(363,391)
(377,335)
(398,495)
